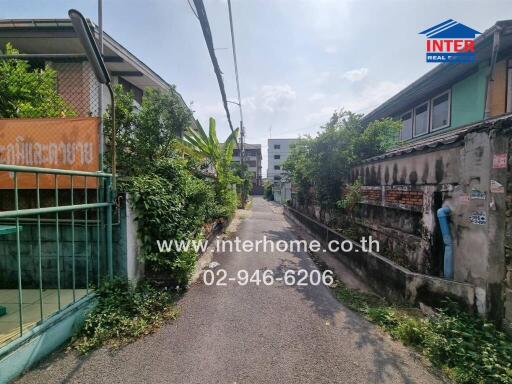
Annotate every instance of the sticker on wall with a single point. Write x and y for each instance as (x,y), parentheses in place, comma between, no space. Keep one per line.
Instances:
(464,199)
(478,218)
(497,187)
(499,161)
(477,195)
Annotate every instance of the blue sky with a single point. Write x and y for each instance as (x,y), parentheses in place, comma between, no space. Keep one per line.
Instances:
(299,60)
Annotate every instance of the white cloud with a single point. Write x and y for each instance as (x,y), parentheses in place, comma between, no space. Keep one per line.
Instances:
(271,98)
(373,95)
(330,49)
(317,96)
(355,74)
(320,117)
(362,100)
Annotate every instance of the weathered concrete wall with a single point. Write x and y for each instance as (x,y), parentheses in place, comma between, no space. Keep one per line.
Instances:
(400,198)
(84,257)
(125,246)
(465,176)
(399,283)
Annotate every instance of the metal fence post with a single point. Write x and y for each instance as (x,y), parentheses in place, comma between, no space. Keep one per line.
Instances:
(109,195)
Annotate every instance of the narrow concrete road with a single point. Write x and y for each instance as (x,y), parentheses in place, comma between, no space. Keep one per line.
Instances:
(251,334)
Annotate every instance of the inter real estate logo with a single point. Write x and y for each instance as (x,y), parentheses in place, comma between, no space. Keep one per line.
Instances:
(450,42)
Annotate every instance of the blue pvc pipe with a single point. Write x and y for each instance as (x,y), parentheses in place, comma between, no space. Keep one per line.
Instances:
(442,215)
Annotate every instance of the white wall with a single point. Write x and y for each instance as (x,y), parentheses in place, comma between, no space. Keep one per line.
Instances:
(134,268)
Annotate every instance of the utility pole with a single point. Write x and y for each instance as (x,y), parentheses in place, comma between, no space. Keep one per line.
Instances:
(100,89)
(242,127)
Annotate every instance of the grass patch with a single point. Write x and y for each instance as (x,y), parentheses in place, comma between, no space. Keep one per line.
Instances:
(466,348)
(123,313)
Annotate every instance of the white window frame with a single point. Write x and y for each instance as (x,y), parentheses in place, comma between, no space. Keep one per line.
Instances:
(449,120)
(411,111)
(414,119)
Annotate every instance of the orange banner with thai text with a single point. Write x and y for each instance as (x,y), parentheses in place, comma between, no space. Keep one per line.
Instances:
(60,143)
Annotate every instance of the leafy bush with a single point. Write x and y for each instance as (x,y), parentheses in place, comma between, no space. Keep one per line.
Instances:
(171,195)
(267,191)
(172,204)
(26,92)
(244,187)
(468,349)
(123,313)
(352,196)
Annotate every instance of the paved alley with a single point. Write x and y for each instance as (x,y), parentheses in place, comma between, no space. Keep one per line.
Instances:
(251,334)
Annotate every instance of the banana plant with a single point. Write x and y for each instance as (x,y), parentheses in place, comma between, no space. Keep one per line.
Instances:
(197,143)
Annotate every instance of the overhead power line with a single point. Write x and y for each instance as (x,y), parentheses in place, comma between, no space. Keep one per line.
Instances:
(192,8)
(207,33)
(242,128)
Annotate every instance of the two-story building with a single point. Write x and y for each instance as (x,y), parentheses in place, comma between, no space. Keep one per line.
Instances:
(454,153)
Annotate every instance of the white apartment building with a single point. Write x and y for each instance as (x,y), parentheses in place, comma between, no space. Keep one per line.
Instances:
(278,150)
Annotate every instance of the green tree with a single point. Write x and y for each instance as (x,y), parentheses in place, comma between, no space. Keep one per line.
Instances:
(26,92)
(319,167)
(298,168)
(143,136)
(245,177)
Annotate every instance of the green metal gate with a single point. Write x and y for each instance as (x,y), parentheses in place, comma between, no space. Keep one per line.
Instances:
(56,244)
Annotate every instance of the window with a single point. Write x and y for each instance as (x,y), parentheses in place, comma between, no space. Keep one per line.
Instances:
(406,126)
(277,146)
(440,113)
(427,117)
(276,178)
(277,167)
(421,119)
(277,157)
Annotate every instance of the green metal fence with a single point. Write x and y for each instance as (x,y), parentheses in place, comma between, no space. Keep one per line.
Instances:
(62,238)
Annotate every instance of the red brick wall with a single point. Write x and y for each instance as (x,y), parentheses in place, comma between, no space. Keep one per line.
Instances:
(371,194)
(396,196)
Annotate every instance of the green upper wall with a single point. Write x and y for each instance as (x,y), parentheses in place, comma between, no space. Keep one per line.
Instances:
(468,98)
